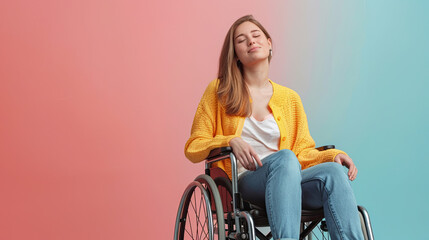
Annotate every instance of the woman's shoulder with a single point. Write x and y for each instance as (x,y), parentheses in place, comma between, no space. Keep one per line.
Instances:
(211,90)
(282,91)
(213,85)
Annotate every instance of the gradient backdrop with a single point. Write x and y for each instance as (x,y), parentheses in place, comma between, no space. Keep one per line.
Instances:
(97,100)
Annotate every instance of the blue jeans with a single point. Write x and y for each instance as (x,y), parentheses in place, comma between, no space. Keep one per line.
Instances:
(284,189)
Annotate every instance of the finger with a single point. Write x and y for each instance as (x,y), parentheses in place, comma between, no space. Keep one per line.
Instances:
(249,160)
(349,161)
(353,173)
(258,161)
(243,161)
(248,164)
(253,160)
(256,157)
(352,167)
(350,173)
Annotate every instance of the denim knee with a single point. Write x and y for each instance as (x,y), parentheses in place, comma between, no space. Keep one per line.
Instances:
(285,162)
(334,175)
(334,170)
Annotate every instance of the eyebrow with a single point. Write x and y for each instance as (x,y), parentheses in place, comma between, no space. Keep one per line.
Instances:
(256,30)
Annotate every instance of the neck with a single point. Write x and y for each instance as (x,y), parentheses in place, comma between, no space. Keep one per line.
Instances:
(256,76)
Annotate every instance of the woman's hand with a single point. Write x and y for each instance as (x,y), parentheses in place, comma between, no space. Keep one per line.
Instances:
(348,162)
(244,153)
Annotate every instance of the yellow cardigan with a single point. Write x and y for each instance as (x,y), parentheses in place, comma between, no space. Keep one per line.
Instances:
(213,128)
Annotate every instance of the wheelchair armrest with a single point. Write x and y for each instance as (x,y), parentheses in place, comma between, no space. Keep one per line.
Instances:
(222,151)
(218,152)
(323,148)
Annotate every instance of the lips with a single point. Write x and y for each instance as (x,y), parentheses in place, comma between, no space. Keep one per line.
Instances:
(253,49)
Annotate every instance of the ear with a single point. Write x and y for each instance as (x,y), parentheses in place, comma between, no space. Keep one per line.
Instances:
(269,43)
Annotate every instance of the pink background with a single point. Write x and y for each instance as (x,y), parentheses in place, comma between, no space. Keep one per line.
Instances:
(96,103)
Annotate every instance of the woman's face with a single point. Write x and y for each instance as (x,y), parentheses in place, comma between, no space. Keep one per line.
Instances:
(251,44)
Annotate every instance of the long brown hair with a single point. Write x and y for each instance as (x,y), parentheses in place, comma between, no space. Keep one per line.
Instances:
(232,92)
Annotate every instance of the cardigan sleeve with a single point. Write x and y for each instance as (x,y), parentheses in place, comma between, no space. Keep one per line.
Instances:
(305,146)
(203,132)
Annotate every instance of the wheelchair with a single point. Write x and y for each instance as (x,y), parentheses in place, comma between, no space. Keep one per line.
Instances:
(212,208)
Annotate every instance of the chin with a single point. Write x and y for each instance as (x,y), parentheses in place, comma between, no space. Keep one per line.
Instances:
(256,60)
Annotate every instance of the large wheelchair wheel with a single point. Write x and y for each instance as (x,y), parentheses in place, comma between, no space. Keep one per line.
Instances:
(200,214)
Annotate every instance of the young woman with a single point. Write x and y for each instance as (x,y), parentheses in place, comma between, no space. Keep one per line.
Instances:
(266,126)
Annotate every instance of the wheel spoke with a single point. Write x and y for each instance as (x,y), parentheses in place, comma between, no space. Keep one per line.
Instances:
(189,234)
(187,223)
(203,229)
(189,218)
(195,219)
(315,236)
(206,235)
(195,223)
(323,235)
(198,222)
(199,216)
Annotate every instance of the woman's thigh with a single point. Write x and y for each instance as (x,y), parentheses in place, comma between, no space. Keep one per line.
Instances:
(280,166)
(318,181)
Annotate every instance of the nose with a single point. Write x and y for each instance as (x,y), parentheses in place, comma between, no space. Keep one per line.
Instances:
(251,42)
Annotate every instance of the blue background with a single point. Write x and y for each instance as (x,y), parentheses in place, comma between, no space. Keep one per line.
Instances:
(365,90)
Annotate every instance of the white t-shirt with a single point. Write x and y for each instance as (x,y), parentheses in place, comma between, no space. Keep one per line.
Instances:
(263,136)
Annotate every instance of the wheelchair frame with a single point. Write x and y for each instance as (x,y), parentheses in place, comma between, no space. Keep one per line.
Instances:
(314,217)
